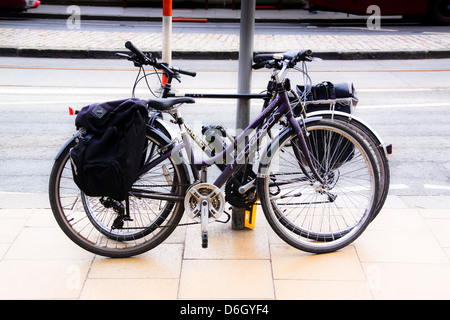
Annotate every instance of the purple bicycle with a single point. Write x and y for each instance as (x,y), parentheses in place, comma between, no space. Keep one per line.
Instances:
(316,180)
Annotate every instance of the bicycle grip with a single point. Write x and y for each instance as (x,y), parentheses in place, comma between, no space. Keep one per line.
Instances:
(308,52)
(259,65)
(305,53)
(135,50)
(186,72)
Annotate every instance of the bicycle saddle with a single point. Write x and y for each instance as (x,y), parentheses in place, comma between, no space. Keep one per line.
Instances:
(166,104)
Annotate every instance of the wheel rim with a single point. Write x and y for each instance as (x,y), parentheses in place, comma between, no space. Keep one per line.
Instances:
(86,222)
(310,220)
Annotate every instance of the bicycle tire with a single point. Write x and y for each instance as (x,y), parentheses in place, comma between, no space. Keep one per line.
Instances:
(324,218)
(88,223)
(377,150)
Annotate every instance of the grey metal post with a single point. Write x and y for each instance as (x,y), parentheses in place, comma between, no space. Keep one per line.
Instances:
(247,31)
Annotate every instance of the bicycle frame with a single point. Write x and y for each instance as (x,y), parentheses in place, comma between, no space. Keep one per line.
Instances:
(278,108)
(265,121)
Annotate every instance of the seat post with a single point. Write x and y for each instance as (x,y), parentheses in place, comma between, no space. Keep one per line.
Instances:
(178,119)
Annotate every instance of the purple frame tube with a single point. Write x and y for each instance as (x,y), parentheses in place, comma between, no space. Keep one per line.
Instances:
(281,106)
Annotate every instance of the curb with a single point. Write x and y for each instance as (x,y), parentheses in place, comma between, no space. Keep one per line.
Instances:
(218,55)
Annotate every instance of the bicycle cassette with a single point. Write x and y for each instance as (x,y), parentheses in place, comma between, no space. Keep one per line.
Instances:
(197,195)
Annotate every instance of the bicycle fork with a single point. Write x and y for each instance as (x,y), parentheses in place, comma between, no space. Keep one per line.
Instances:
(303,148)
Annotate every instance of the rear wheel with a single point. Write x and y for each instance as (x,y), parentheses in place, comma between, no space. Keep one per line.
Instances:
(101,226)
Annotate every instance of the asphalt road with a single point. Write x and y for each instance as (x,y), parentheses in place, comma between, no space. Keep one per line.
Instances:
(406,102)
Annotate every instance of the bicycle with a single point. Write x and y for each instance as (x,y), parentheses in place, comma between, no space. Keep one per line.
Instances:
(327,108)
(319,200)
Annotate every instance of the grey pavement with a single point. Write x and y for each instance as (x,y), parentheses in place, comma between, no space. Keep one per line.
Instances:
(82,43)
(404,254)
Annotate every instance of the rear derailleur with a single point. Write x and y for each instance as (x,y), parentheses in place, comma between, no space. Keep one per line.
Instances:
(123,214)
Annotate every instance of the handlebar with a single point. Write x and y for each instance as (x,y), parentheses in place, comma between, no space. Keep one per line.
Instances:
(273,60)
(185,72)
(141,58)
(139,54)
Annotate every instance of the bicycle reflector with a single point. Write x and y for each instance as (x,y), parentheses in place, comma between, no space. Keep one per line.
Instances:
(389,148)
(72,112)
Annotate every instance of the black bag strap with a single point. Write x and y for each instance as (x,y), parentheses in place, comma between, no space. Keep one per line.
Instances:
(331,90)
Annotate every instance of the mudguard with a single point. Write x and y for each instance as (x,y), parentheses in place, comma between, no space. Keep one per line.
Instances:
(69,144)
(350,117)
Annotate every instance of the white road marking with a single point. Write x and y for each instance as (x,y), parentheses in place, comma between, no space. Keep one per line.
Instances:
(436,187)
(398,186)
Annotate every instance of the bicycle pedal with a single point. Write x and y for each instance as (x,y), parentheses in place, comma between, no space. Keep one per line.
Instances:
(204,239)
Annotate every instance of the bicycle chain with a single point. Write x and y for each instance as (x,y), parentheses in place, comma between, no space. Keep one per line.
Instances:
(167,226)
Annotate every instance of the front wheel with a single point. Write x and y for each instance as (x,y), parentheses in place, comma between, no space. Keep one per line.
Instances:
(376,147)
(309,215)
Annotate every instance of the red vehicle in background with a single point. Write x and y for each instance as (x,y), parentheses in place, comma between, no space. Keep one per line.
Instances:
(437,11)
(19,5)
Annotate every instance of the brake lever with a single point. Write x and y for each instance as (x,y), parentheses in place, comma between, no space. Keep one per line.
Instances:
(133,58)
(123,55)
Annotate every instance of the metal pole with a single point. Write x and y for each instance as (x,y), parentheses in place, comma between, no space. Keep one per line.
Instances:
(247,31)
(244,83)
(167,32)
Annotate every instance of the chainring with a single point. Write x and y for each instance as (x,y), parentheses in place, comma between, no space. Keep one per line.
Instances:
(232,194)
(204,191)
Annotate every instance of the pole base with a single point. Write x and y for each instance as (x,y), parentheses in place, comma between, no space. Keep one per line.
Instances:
(238,218)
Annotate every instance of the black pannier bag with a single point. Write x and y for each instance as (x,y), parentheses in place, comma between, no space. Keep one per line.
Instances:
(327,90)
(107,159)
(344,151)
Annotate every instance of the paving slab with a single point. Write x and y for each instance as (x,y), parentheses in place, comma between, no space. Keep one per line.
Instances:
(404,254)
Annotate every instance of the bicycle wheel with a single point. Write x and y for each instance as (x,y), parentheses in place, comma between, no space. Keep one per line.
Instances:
(305,213)
(99,225)
(375,145)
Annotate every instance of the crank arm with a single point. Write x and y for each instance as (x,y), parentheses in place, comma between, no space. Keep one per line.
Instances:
(204,217)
